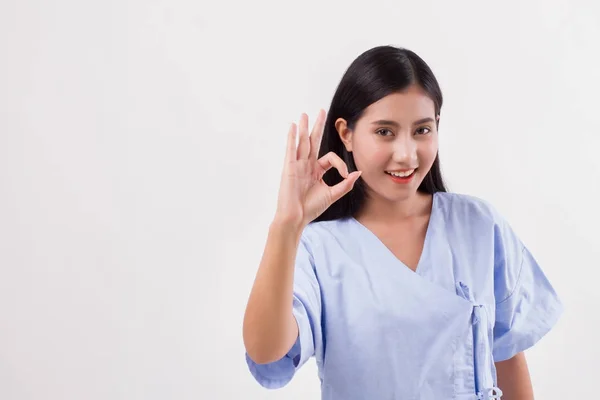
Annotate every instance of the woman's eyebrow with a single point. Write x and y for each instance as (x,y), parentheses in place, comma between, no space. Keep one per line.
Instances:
(395,124)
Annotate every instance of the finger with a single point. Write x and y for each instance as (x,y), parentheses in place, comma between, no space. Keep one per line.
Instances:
(303,143)
(330,160)
(316,135)
(290,154)
(345,186)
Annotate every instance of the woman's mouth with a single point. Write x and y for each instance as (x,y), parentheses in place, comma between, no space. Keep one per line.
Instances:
(404,176)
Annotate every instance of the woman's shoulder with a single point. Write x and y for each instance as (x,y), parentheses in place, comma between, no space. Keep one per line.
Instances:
(317,231)
(467,207)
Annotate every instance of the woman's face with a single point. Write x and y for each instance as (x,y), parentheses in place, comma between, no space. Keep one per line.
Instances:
(394,143)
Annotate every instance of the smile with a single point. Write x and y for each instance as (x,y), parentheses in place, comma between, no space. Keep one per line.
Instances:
(401,174)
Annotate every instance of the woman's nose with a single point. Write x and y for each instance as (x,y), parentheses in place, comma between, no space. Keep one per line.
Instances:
(405,149)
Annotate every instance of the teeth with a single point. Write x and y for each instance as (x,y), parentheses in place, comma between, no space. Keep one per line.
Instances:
(402,174)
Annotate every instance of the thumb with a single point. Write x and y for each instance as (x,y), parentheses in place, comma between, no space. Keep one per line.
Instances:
(352,178)
(339,190)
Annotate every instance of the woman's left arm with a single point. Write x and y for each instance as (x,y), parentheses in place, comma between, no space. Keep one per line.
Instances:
(514,379)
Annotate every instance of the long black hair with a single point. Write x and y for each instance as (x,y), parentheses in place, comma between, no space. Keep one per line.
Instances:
(376,73)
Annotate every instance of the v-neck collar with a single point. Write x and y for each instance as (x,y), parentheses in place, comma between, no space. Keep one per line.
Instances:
(424,257)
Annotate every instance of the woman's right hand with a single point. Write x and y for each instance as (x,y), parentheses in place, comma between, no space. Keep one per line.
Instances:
(303,195)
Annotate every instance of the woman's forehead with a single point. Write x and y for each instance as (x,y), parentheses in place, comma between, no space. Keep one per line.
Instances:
(410,105)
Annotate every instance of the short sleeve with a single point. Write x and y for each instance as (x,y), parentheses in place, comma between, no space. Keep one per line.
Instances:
(527,306)
(307,311)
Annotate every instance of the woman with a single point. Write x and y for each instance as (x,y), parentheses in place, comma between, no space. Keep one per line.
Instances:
(399,289)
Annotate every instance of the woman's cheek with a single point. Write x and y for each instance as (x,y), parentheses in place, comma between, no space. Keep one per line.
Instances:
(427,152)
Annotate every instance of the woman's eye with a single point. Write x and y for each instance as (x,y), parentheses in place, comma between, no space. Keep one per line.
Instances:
(383,132)
(423,130)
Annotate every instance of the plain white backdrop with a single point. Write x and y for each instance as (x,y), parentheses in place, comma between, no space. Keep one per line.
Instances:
(141,145)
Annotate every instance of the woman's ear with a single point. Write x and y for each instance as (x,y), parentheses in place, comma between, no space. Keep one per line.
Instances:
(341,126)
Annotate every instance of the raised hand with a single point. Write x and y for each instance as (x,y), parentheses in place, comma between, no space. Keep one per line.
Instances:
(303,195)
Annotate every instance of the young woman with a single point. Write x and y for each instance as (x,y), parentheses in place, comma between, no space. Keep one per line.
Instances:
(399,289)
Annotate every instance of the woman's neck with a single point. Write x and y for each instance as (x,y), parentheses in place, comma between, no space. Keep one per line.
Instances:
(380,210)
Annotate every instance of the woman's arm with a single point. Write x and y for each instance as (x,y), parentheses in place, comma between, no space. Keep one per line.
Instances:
(270,328)
(514,379)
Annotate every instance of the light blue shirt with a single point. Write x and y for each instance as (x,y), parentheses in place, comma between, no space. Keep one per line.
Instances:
(380,331)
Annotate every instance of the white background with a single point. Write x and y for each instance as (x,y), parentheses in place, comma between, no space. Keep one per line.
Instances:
(140,150)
